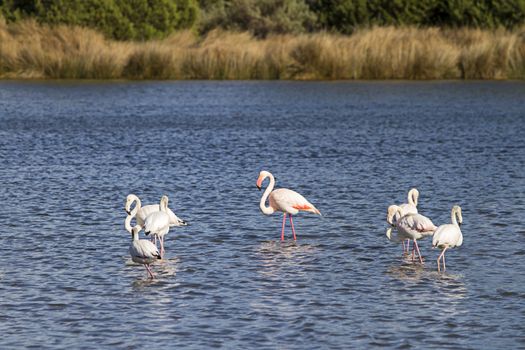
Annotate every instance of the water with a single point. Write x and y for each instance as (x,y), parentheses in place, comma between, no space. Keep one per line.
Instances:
(72,151)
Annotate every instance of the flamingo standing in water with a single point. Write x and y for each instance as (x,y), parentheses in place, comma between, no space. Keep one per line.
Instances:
(408,208)
(158,223)
(410,226)
(449,235)
(142,251)
(284,200)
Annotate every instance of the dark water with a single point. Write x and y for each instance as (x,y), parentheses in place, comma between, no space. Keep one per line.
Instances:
(71,152)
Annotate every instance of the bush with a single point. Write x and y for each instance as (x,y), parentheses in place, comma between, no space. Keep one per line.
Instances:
(118,19)
(260,17)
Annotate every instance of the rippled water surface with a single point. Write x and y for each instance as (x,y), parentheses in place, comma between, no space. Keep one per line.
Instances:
(72,151)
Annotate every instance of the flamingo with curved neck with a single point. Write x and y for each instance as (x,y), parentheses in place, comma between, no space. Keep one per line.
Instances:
(411,226)
(449,235)
(408,208)
(284,200)
(141,251)
(158,223)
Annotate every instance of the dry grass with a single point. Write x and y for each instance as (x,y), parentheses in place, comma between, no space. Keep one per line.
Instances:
(30,50)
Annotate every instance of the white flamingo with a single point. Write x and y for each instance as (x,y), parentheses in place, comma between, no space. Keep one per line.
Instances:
(449,235)
(408,208)
(142,251)
(158,223)
(142,212)
(284,200)
(411,226)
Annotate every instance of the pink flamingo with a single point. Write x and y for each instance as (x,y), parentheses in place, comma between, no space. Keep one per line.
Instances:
(284,200)
(408,208)
(411,226)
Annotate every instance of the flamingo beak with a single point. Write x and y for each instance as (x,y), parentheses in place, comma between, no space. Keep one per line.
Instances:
(259,187)
(127,212)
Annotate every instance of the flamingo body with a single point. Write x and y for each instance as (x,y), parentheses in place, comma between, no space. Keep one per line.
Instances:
(448,235)
(142,251)
(290,202)
(415,226)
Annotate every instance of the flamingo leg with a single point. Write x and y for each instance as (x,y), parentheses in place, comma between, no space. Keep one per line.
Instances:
(442,255)
(418,252)
(149,271)
(408,245)
(293,229)
(403,243)
(161,240)
(284,223)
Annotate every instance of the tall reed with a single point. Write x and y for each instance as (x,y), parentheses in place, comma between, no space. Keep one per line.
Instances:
(30,50)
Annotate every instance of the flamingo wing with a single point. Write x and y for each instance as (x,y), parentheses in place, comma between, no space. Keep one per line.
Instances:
(417,223)
(449,235)
(290,201)
(175,220)
(156,222)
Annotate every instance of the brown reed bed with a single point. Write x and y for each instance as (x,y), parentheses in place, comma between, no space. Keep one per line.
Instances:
(30,50)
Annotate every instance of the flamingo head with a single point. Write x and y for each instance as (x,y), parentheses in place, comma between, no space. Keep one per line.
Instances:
(262,175)
(129,201)
(457,210)
(391,213)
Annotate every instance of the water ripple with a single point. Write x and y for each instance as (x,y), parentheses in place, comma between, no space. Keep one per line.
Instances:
(72,151)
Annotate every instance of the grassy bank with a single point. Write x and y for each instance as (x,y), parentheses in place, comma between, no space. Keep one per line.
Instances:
(29,50)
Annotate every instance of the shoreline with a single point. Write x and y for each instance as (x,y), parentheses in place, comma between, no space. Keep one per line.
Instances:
(30,51)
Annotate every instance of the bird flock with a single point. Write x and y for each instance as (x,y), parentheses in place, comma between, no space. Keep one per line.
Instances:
(407,224)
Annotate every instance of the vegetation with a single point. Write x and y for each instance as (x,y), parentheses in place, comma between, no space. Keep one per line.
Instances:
(32,50)
(155,19)
(117,19)
(346,16)
(263,39)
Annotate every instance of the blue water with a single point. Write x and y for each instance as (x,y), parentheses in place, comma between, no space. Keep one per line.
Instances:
(72,151)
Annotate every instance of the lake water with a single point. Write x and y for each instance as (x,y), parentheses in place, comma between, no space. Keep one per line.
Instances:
(72,151)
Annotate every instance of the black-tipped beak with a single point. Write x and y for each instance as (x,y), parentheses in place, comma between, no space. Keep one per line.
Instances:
(259,187)
(460,223)
(127,212)
(184,223)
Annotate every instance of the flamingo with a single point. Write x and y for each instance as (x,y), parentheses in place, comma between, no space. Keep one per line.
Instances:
(142,251)
(158,223)
(142,212)
(408,208)
(284,200)
(411,226)
(449,235)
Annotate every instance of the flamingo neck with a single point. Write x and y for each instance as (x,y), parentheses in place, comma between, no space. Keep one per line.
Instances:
(127,223)
(137,207)
(267,209)
(134,235)
(412,198)
(453,217)
(163,206)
